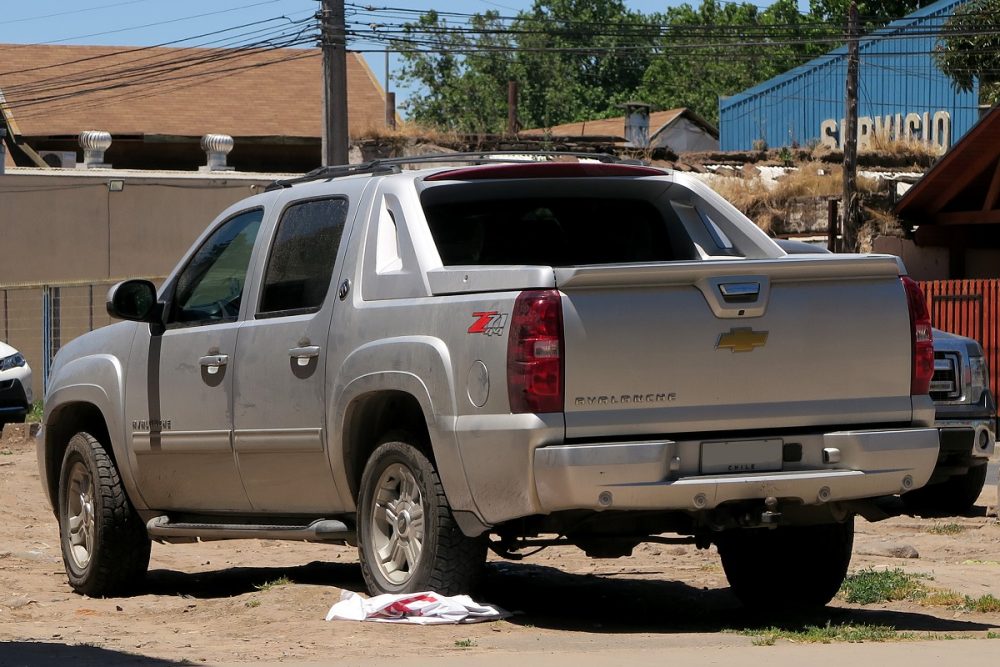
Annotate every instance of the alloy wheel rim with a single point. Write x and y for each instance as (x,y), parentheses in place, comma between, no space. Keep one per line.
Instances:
(80,515)
(397,524)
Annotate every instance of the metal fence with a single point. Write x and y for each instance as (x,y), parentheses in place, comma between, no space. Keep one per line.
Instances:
(38,319)
(969,308)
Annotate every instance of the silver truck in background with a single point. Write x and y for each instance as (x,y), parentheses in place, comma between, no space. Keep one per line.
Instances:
(965,415)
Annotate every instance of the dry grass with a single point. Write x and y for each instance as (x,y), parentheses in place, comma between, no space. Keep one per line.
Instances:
(407,132)
(767,204)
(904,149)
(877,223)
(942,598)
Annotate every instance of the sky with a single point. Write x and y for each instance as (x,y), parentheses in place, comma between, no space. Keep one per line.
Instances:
(148,22)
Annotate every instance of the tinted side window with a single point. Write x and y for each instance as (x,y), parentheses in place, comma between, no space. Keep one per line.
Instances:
(302,257)
(210,287)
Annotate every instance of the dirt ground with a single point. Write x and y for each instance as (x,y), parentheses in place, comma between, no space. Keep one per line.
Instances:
(213,603)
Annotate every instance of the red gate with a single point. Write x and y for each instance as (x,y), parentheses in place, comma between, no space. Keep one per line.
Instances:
(969,308)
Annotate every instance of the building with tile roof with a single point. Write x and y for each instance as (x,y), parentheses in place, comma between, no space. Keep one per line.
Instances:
(676,129)
(158,102)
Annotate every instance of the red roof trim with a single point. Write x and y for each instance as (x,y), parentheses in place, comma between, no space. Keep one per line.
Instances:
(543,170)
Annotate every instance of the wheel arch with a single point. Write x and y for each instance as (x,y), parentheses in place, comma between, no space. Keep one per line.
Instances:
(374,406)
(374,416)
(72,408)
(65,421)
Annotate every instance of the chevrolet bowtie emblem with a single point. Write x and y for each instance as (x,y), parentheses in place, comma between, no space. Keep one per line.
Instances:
(742,339)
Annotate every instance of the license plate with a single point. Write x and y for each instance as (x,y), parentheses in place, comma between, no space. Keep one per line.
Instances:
(741,456)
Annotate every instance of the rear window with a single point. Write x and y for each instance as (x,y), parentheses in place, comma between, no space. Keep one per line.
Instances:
(553,231)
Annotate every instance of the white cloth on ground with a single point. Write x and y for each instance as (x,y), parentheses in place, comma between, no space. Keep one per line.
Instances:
(426,608)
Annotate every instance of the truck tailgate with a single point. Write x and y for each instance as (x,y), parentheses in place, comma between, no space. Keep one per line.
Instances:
(735,345)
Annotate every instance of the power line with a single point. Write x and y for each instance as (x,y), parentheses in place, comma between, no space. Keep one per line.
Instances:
(264,37)
(159,23)
(138,49)
(71,12)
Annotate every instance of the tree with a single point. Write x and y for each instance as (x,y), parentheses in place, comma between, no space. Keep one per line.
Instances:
(874,13)
(970,49)
(573,59)
(462,85)
(721,48)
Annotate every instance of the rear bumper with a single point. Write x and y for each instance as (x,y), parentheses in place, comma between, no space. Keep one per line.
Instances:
(659,474)
(967,437)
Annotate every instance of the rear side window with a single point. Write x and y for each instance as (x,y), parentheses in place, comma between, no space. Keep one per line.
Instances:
(302,256)
(550,231)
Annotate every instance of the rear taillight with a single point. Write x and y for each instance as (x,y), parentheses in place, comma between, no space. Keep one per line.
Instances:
(535,353)
(921,339)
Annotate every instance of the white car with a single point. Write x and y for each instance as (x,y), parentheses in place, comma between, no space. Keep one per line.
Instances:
(15,385)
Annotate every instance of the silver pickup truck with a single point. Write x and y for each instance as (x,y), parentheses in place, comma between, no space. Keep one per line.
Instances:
(431,363)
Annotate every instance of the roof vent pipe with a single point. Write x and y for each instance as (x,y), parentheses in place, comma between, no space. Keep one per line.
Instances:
(636,124)
(94,143)
(217,147)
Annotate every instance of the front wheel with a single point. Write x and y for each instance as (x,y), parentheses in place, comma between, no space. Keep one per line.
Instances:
(788,568)
(105,547)
(408,540)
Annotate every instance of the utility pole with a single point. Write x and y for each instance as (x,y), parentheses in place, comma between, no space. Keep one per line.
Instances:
(850,204)
(333,33)
(511,108)
(390,98)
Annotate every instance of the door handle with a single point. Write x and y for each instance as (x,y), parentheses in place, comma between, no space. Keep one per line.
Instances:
(304,354)
(213,362)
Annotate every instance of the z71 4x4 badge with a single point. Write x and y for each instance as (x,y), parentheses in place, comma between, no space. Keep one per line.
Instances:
(489,323)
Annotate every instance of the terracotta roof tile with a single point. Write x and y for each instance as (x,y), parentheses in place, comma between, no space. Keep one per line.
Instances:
(606,127)
(62,90)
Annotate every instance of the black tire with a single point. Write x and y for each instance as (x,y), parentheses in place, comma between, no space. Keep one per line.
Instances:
(955,495)
(445,561)
(789,568)
(112,556)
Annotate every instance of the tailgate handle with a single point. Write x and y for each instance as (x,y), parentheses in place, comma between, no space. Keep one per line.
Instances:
(737,292)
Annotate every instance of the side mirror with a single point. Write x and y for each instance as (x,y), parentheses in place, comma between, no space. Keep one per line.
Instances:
(134,300)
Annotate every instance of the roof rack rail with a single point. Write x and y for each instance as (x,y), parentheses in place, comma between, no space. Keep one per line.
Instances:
(394,165)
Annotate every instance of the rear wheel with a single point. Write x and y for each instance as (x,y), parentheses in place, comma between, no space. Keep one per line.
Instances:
(955,495)
(408,540)
(105,547)
(793,567)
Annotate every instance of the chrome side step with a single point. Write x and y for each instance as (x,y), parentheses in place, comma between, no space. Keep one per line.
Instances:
(321,530)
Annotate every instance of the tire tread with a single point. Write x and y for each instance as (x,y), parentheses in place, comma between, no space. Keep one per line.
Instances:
(120,556)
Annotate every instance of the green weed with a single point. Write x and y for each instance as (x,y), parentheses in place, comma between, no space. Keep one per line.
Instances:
(268,585)
(946,528)
(827,634)
(986,604)
(871,586)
